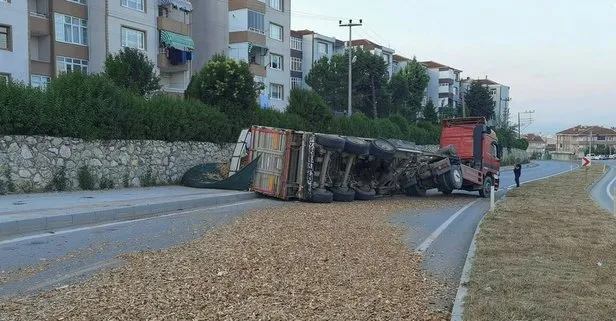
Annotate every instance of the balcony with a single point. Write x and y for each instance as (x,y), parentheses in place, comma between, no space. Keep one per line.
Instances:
(255,5)
(446,74)
(39,24)
(257,70)
(40,67)
(445,89)
(165,65)
(178,27)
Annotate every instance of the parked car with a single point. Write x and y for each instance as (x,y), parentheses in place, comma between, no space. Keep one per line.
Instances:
(613,156)
(591,156)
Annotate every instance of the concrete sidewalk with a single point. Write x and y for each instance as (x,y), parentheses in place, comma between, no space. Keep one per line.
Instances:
(26,213)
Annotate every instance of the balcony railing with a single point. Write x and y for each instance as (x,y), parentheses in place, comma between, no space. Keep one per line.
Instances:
(39,15)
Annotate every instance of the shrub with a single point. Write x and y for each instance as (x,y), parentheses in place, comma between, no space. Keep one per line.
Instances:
(85,178)
(59,181)
(106,183)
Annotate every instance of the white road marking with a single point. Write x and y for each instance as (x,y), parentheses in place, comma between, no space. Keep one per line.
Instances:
(426,244)
(47,234)
(608,189)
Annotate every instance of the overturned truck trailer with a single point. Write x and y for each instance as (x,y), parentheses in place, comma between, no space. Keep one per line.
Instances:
(324,168)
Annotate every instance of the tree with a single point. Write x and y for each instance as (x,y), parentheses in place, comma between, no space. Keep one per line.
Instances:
(479,101)
(227,85)
(311,107)
(329,78)
(407,89)
(429,113)
(130,68)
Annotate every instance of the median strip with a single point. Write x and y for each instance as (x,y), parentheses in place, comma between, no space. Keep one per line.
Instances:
(548,252)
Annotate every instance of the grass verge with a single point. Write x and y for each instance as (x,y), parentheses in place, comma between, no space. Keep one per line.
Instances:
(548,252)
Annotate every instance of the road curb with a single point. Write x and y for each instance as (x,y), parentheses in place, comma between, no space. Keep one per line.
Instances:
(126,213)
(457,312)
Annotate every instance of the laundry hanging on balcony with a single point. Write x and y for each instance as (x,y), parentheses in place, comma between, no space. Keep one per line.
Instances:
(174,40)
(178,57)
(183,5)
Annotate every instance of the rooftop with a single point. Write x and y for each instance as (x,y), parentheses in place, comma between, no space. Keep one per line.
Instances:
(368,45)
(532,138)
(399,58)
(484,82)
(433,64)
(588,130)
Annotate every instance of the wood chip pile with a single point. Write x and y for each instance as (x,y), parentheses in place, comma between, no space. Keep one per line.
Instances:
(295,262)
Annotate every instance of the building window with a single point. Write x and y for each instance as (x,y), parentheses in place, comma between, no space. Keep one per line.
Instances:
(296,64)
(256,22)
(296,82)
(275,31)
(133,4)
(4,78)
(296,43)
(276,4)
(66,64)
(71,30)
(5,37)
(322,48)
(276,91)
(37,81)
(163,12)
(276,61)
(493,92)
(7,1)
(132,38)
(84,2)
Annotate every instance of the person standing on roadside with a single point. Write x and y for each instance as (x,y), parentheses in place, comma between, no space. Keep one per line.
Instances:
(517,171)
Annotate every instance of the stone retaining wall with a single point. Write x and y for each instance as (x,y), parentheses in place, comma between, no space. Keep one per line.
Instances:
(32,161)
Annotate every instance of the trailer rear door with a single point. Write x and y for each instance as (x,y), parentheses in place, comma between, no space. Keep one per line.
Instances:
(274,146)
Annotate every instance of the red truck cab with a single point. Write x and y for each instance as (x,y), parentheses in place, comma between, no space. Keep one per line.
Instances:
(477,151)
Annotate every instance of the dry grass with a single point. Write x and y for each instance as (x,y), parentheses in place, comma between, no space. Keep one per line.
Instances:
(547,253)
(297,262)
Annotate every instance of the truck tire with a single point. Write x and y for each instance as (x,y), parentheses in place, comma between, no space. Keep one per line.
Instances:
(485,190)
(343,194)
(383,149)
(455,178)
(362,195)
(330,142)
(354,145)
(321,196)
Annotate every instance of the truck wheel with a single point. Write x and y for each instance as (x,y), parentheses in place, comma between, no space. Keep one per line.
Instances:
(383,149)
(322,196)
(362,195)
(330,142)
(417,190)
(343,194)
(356,146)
(485,190)
(455,178)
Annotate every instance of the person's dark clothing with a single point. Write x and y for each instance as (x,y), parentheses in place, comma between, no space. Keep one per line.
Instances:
(517,171)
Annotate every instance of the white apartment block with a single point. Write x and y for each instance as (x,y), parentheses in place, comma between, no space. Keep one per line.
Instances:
(376,49)
(260,33)
(499,93)
(47,37)
(444,86)
(400,63)
(315,46)
(14,62)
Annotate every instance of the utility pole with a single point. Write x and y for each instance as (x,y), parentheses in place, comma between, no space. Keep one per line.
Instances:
(350,25)
(527,120)
(590,143)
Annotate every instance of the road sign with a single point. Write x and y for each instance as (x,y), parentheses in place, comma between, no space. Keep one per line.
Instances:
(585,161)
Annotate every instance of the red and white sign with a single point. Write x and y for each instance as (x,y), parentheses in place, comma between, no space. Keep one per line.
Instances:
(585,161)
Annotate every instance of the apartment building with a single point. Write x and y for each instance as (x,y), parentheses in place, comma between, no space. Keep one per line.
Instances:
(210,31)
(14,62)
(499,92)
(56,36)
(444,85)
(315,46)
(399,62)
(375,49)
(297,60)
(577,139)
(260,33)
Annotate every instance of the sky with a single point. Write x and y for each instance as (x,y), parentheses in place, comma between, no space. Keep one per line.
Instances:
(558,56)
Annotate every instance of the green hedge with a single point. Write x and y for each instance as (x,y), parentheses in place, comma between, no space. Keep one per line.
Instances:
(91,107)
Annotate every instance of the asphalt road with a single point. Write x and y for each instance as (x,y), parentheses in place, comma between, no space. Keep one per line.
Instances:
(445,256)
(44,261)
(603,191)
